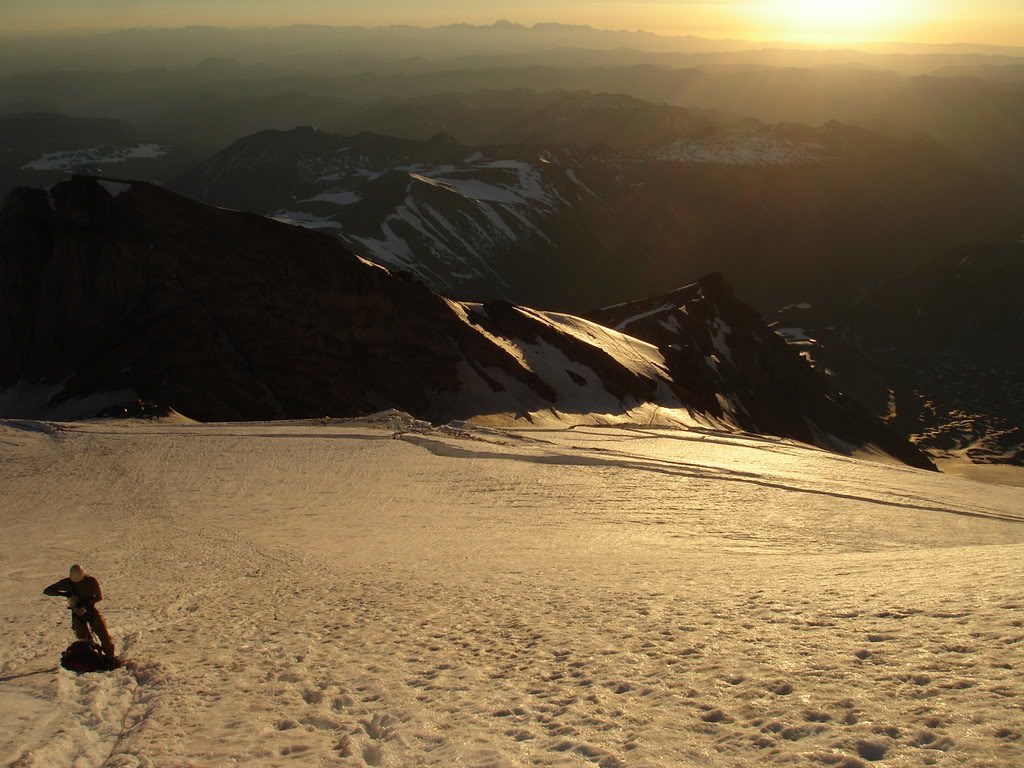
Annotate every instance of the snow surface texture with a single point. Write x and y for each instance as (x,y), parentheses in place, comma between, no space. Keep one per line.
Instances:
(102,155)
(506,196)
(379,592)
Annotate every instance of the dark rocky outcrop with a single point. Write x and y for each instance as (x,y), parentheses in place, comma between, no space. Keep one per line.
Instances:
(731,365)
(931,350)
(224,315)
(116,287)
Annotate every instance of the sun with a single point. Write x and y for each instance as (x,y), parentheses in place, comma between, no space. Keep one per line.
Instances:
(840,11)
(836,20)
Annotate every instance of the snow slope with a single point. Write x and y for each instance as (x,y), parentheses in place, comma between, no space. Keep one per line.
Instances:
(441,221)
(102,155)
(322,593)
(740,149)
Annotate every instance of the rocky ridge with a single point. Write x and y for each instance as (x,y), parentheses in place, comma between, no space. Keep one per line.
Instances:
(116,290)
(735,367)
(930,351)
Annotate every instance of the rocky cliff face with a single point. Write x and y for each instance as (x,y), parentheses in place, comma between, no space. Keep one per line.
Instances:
(113,290)
(930,350)
(114,287)
(733,366)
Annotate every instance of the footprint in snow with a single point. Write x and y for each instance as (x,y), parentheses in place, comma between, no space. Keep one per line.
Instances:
(379,727)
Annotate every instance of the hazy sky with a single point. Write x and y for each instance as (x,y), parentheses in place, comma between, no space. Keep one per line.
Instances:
(979,21)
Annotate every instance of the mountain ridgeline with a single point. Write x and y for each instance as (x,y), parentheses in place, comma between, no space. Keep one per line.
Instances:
(121,290)
(789,212)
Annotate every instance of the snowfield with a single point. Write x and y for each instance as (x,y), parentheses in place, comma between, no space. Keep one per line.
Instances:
(105,154)
(379,592)
(739,149)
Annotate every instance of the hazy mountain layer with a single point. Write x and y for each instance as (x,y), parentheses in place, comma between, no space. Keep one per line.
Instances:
(975,111)
(308,47)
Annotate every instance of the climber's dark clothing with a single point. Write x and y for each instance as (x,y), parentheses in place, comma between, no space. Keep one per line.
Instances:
(87,590)
(93,619)
(83,596)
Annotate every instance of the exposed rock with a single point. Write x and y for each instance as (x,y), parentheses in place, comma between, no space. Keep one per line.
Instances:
(733,366)
(930,351)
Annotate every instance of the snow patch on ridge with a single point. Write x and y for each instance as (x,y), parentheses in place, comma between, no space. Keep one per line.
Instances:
(461,310)
(104,154)
(433,182)
(304,219)
(794,335)
(571,173)
(343,197)
(639,357)
(622,325)
(114,188)
(578,388)
(739,150)
(721,330)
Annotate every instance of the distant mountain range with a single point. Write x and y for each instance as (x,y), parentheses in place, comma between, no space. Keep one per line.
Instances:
(300,45)
(208,87)
(570,179)
(121,290)
(792,213)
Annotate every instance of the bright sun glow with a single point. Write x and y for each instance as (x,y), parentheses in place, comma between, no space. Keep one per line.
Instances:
(840,11)
(827,20)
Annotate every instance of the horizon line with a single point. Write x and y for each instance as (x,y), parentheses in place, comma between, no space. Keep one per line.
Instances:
(501,24)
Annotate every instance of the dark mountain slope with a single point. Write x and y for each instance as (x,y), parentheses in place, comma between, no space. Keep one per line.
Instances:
(934,351)
(116,290)
(951,333)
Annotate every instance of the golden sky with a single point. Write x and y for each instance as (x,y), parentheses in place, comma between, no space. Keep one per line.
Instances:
(816,21)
